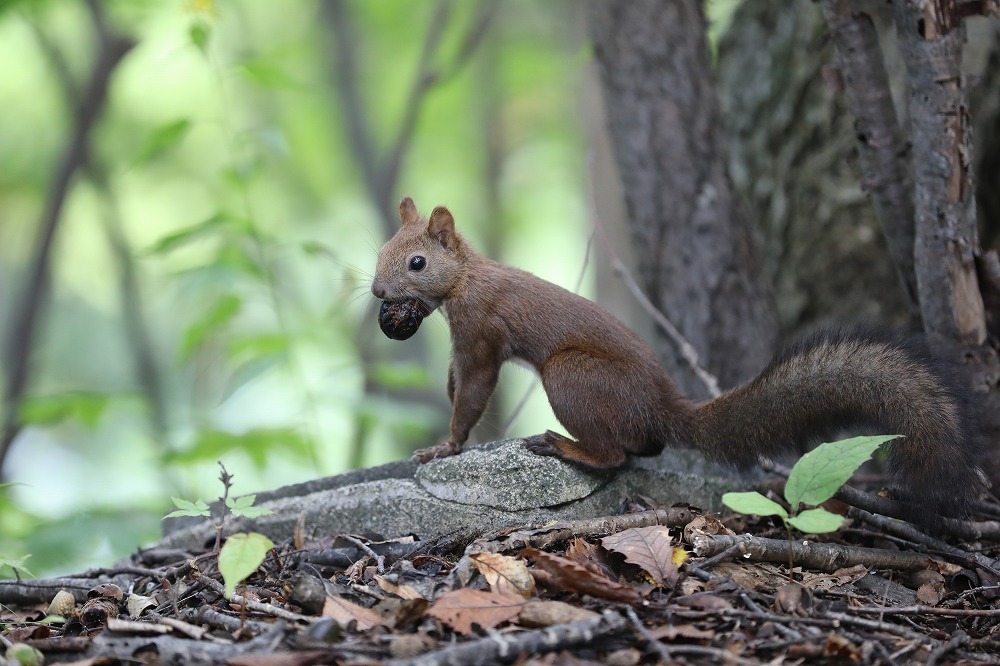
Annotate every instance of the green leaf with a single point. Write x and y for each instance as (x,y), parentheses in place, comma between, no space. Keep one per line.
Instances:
(194,232)
(186,508)
(22,654)
(224,310)
(16,563)
(754,503)
(816,521)
(199,33)
(243,506)
(257,443)
(240,557)
(266,74)
(83,406)
(821,472)
(163,139)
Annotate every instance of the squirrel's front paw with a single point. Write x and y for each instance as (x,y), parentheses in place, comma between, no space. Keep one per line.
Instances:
(440,451)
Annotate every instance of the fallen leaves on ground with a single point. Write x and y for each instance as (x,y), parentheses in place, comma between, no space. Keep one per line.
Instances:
(624,589)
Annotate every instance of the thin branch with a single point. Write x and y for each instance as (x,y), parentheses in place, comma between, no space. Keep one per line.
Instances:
(346,78)
(380,176)
(21,339)
(814,555)
(876,127)
(428,77)
(146,369)
(686,349)
(909,532)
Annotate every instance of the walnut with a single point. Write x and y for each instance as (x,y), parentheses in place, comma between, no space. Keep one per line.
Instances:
(400,319)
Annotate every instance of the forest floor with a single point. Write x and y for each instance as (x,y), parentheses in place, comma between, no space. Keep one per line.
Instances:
(662,585)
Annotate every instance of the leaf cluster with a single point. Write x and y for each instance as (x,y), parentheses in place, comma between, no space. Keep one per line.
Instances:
(814,479)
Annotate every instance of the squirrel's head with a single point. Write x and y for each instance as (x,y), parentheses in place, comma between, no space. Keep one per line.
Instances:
(424,260)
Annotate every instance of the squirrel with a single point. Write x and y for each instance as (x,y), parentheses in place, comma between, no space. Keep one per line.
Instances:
(606,387)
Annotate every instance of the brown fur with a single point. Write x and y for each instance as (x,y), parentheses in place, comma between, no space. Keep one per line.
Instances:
(608,390)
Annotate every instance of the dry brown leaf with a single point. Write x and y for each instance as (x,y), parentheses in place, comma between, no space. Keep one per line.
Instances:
(505,574)
(575,577)
(650,548)
(460,609)
(841,649)
(590,556)
(343,611)
(548,613)
(930,594)
(709,525)
(838,578)
(750,576)
(400,590)
(944,568)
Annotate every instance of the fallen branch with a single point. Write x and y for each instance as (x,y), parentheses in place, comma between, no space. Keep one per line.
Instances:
(813,555)
(911,533)
(506,648)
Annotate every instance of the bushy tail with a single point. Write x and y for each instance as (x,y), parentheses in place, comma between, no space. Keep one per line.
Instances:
(859,381)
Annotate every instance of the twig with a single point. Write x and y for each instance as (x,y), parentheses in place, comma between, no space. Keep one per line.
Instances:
(380,175)
(506,647)
(41,591)
(927,610)
(662,651)
(685,348)
(21,339)
(563,531)
(250,604)
(909,532)
(832,620)
(379,559)
(427,77)
(823,556)
(958,640)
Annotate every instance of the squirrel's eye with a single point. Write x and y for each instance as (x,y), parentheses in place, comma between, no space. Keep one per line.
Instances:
(417,263)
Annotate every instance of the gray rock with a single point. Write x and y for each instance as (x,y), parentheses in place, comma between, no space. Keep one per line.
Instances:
(486,488)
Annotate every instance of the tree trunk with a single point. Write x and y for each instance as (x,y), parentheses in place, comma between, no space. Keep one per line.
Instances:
(794,161)
(694,248)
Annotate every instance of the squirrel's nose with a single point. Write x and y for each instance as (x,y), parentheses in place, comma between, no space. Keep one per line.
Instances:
(378,290)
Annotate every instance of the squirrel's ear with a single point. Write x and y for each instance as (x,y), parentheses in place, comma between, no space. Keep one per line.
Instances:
(441,226)
(408,211)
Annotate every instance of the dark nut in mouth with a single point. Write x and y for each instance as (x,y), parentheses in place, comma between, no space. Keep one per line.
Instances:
(401,319)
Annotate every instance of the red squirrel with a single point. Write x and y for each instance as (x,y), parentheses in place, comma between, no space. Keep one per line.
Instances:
(608,390)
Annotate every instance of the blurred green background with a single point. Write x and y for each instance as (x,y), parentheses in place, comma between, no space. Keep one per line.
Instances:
(208,295)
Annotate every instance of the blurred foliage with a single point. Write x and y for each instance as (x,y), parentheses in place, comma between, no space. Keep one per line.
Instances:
(209,289)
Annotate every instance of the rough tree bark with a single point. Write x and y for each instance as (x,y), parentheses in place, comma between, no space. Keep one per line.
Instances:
(946,236)
(880,143)
(794,163)
(695,251)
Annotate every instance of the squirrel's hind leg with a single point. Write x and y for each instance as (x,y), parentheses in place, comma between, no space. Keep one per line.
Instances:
(559,446)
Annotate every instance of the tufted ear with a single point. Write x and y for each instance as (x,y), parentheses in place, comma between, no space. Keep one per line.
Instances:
(441,227)
(408,211)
